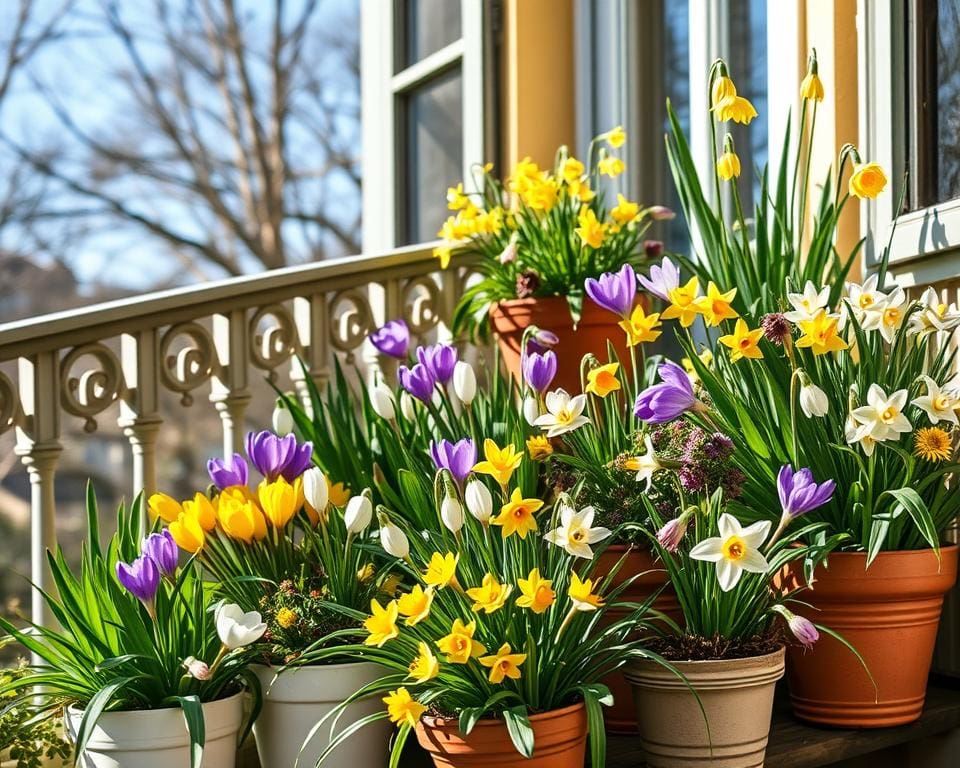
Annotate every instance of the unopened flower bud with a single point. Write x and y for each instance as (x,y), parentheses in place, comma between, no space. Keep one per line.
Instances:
(315,489)
(198,670)
(381,398)
(282,421)
(393,540)
(359,513)
(479,501)
(464,382)
(407,407)
(451,513)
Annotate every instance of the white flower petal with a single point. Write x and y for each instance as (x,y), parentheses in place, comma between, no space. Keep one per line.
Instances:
(728,574)
(710,550)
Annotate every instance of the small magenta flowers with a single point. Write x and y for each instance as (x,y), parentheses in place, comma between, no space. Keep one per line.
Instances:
(419,381)
(392,339)
(141,578)
(458,458)
(539,370)
(227,472)
(669,399)
(614,291)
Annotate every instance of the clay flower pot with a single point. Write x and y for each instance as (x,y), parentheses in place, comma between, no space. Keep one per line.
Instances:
(622,717)
(559,737)
(889,612)
(737,697)
(509,319)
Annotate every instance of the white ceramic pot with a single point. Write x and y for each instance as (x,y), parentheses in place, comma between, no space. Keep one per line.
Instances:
(296,699)
(158,738)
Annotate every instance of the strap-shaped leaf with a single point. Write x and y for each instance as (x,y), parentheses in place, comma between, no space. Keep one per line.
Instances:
(910,500)
(95,707)
(520,730)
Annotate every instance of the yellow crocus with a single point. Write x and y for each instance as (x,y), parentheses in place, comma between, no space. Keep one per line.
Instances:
(201,508)
(582,595)
(625,210)
(425,665)
(490,596)
(611,166)
(459,645)
(735,108)
(536,593)
(616,137)
(280,500)
(441,570)
(337,494)
(188,533)
(601,381)
(728,166)
(640,327)
(498,462)
(402,708)
(415,604)
(539,447)
(820,334)
(868,180)
(590,230)
(165,507)
(517,515)
(715,306)
(572,169)
(683,303)
(743,342)
(239,517)
(381,624)
(504,663)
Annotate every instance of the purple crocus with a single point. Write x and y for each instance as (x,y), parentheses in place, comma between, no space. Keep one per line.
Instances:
(440,360)
(540,340)
(667,400)
(226,472)
(162,549)
(418,381)
(614,291)
(662,280)
(799,493)
(539,369)
(141,578)
(278,456)
(392,339)
(458,457)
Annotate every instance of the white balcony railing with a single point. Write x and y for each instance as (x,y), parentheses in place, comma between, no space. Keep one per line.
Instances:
(81,362)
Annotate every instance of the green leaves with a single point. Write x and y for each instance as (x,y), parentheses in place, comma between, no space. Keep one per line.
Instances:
(520,730)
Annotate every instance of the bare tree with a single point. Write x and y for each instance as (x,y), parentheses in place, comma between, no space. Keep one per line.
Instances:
(233,141)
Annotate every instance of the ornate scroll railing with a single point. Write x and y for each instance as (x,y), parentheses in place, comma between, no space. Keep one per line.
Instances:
(206,339)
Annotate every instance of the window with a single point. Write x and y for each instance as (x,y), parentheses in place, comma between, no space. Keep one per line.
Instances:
(424,109)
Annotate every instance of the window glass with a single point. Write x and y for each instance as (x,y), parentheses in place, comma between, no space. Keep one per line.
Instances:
(425,27)
(431,148)
(676,71)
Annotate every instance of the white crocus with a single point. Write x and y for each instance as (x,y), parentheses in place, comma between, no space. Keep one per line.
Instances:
(564,413)
(282,421)
(882,417)
(407,407)
(394,541)
(358,514)
(451,513)
(576,533)
(735,550)
(381,398)
(644,465)
(933,315)
(479,501)
(464,382)
(807,304)
(315,488)
(531,410)
(813,400)
(235,628)
(937,404)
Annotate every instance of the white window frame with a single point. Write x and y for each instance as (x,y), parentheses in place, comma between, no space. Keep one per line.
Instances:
(926,243)
(381,88)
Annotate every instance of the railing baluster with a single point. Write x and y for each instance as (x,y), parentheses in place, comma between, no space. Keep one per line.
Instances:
(230,393)
(311,315)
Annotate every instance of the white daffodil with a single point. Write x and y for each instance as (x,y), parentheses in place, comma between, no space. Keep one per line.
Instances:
(882,417)
(938,404)
(735,550)
(813,400)
(644,465)
(934,315)
(564,413)
(887,316)
(236,628)
(862,298)
(576,533)
(807,304)
(853,433)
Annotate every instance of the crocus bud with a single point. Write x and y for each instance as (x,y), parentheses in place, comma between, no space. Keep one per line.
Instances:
(464,382)
(660,213)
(451,512)
(802,629)
(407,407)
(196,669)
(509,254)
(531,410)
(359,513)
(282,421)
(315,488)
(479,501)
(393,540)
(813,400)
(381,398)
(671,534)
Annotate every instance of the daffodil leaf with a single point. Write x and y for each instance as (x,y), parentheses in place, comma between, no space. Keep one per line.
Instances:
(520,730)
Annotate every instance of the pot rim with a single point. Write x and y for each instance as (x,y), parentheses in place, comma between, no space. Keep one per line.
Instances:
(703,663)
(892,553)
(77,710)
(552,714)
(340,665)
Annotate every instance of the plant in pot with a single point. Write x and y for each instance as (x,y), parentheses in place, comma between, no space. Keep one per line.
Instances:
(287,550)
(150,672)
(536,239)
(25,741)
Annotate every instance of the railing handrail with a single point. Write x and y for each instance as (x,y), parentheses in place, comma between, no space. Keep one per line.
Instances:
(73,327)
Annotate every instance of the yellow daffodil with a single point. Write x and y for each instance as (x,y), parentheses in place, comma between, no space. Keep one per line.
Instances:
(402,708)
(491,596)
(611,166)
(286,618)
(572,169)
(541,195)
(590,230)
(459,645)
(580,189)
(415,604)
(706,357)
(641,328)
(868,180)
(735,108)
(391,585)
(536,593)
(728,166)
(382,623)
(280,500)
(715,306)
(516,516)
(539,447)
(743,342)
(425,666)
(239,517)
(683,303)
(811,88)
(165,507)
(365,575)
(504,663)
(188,533)
(201,508)
(442,252)
(625,210)
(581,594)
(456,200)
(820,334)
(601,381)
(490,222)
(525,172)
(723,88)
(616,137)
(498,462)
(441,570)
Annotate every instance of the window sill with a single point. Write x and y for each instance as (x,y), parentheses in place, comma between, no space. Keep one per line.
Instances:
(923,244)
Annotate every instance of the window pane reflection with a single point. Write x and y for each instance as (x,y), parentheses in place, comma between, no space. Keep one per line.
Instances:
(426,27)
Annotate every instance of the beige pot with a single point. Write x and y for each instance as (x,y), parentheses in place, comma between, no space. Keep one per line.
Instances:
(737,698)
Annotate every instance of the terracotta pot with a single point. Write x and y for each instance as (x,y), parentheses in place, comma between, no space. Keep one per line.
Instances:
(889,612)
(559,738)
(621,717)
(737,698)
(510,319)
